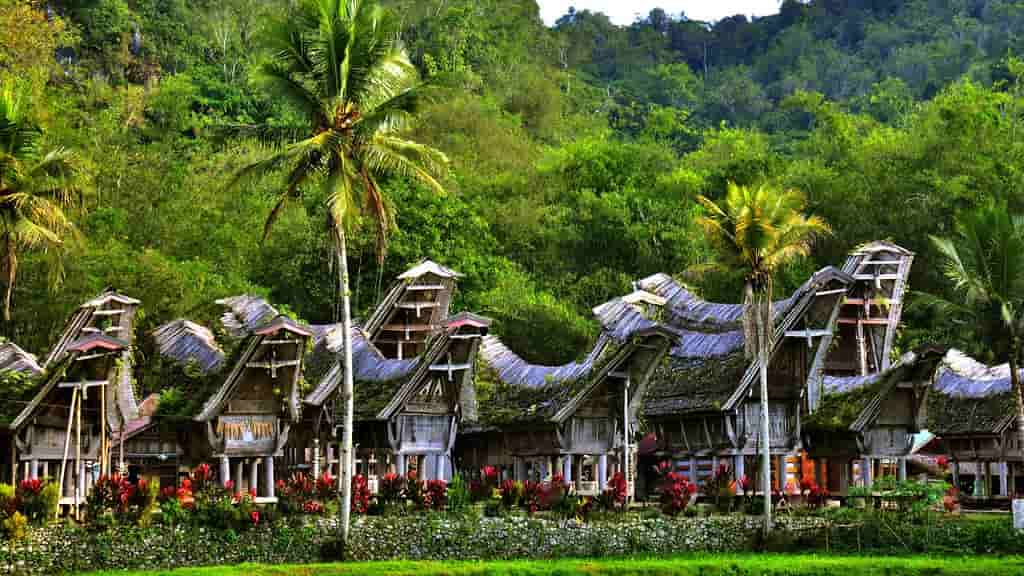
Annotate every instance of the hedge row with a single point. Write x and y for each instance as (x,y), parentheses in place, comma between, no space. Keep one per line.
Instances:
(64,548)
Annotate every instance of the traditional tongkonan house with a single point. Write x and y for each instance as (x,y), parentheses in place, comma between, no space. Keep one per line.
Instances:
(413,379)
(704,404)
(15,365)
(579,419)
(158,449)
(972,412)
(247,422)
(864,426)
(66,431)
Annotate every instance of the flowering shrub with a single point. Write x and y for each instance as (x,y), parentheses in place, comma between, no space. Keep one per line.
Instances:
(614,497)
(814,495)
(360,494)
(115,499)
(483,489)
(302,494)
(435,495)
(37,500)
(511,493)
(675,490)
(392,489)
(720,488)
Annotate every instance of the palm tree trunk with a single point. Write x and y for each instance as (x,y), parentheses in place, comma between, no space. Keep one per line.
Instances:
(345,397)
(1015,381)
(763,315)
(11,266)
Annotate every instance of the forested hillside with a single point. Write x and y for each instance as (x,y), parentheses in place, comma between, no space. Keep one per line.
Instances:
(576,152)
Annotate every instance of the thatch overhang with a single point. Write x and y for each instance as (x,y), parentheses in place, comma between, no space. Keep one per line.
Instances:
(186,342)
(852,403)
(15,359)
(969,398)
(707,369)
(51,378)
(245,314)
(514,392)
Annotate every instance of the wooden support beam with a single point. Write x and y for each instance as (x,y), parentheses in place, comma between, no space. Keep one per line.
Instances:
(865,321)
(84,384)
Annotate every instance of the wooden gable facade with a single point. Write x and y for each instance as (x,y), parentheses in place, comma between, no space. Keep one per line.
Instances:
(66,432)
(248,420)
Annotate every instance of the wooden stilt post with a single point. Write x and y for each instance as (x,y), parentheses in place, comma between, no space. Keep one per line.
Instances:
(67,437)
(104,461)
(78,452)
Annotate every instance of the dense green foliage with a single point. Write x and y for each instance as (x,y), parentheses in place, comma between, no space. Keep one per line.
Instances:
(577,152)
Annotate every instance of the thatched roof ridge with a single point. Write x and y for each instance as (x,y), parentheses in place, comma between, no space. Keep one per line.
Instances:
(15,359)
(185,341)
(245,314)
(370,366)
(427,266)
(686,310)
(969,397)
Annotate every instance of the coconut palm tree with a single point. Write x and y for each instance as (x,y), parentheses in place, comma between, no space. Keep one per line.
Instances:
(36,186)
(760,230)
(984,262)
(341,63)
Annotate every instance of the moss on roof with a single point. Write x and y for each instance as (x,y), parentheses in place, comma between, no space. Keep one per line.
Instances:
(681,386)
(956,415)
(837,412)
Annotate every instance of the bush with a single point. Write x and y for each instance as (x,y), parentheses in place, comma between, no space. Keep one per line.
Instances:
(15,526)
(38,499)
(675,491)
(360,494)
(614,498)
(115,499)
(459,496)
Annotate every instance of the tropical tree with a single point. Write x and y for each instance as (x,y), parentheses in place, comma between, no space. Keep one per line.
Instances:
(984,262)
(760,230)
(36,186)
(342,64)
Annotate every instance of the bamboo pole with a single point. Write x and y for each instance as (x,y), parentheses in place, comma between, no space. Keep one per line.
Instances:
(67,437)
(103,430)
(78,454)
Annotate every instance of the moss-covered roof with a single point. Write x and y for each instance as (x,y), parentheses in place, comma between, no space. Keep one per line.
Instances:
(970,398)
(839,410)
(686,385)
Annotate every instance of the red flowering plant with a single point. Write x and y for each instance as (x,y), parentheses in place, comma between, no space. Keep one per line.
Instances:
(720,488)
(814,495)
(299,492)
(435,495)
(36,499)
(613,498)
(484,487)
(511,494)
(533,496)
(115,499)
(360,494)
(392,489)
(675,492)
(555,492)
(326,487)
(415,491)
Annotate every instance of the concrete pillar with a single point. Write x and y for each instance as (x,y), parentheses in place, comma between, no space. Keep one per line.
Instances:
(902,462)
(1004,486)
(866,472)
(268,473)
(225,470)
(69,483)
(46,469)
(254,475)
(239,478)
(780,472)
(519,469)
(33,469)
(602,472)
(692,471)
(739,471)
(400,464)
(567,468)
(955,466)
(316,457)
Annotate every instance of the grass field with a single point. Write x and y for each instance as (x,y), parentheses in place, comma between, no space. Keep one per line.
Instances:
(725,565)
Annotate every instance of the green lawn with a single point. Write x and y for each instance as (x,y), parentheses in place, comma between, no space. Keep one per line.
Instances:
(731,565)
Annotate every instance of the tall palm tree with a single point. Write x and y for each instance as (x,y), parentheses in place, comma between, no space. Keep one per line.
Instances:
(36,186)
(341,63)
(984,262)
(760,230)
